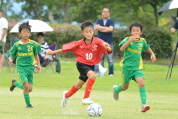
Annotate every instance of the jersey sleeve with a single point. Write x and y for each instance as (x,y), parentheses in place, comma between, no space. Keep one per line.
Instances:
(37,48)
(100,42)
(145,45)
(13,51)
(176,24)
(70,46)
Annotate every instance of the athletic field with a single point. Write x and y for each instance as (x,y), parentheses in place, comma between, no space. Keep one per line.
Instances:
(48,87)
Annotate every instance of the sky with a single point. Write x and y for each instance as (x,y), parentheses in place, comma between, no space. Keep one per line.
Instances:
(16,7)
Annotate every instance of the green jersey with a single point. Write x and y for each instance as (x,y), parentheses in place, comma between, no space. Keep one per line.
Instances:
(25,52)
(132,59)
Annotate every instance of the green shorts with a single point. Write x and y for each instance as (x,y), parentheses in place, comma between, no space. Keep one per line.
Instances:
(26,73)
(2,47)
(128,75)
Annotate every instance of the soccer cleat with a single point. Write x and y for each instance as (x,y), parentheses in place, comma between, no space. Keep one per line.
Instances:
(29,106)
(115,95)
(12,86)
(64,99)
(87,101)
(145,108)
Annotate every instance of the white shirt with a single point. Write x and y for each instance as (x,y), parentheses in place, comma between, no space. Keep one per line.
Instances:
(3,24)
(104,21)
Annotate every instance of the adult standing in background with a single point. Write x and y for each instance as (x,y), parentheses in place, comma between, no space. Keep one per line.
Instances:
(105,27)
(175,27)
(3,32)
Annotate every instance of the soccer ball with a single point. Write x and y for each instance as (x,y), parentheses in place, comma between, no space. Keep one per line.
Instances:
(94,110)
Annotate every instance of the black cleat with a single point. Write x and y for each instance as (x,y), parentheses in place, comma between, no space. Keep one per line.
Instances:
(12,86)
(29,106)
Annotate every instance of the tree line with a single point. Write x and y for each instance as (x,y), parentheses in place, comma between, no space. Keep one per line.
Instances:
(123,12)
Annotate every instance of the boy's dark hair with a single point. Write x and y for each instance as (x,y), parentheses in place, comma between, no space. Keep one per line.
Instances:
(86,24)
(136,25)
(40,34)
(25,25)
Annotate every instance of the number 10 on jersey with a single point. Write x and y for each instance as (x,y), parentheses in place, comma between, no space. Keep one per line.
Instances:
(89,56)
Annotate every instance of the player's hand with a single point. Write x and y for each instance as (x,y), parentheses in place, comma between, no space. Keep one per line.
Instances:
(38,69)
(49,52)
(153,58)
(10,61)
(135,38)
(173,30)
(107,46)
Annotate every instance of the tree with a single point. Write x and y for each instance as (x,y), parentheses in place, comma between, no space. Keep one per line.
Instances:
(134,6)
(32,8)
(2,1)
(82,10)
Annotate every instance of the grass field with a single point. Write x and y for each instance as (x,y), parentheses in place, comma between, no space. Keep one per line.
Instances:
(47,95)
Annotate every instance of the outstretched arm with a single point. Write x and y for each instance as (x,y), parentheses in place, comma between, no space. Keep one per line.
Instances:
(153,57)
(50,52)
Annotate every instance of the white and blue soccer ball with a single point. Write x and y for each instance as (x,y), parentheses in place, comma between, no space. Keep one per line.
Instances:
(94,110)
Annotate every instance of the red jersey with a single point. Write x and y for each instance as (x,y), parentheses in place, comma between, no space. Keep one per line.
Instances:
(87,53)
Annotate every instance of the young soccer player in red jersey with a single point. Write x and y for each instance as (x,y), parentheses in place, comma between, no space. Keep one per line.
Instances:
(88,52)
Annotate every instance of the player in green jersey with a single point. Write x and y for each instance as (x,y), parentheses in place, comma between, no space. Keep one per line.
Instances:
(26,51)
(132,63)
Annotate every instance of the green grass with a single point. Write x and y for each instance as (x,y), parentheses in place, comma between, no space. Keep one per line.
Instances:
(48,88)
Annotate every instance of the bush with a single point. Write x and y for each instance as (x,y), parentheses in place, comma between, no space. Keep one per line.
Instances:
(160,42)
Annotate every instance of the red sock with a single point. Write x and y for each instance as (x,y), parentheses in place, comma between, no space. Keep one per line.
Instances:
(71,91)
(88,88)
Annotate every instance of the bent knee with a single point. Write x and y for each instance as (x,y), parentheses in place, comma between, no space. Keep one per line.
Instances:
(93,76)
(125,87)
(26,86)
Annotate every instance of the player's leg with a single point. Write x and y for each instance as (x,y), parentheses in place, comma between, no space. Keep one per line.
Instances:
(118,89)
(143,95)
(26,76)
(30,87)
(126,77)
(26,94)
(91,80)
(15,83)
(73,90)
(30,78)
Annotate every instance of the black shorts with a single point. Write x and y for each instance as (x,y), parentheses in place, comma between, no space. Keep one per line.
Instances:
(83,70)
